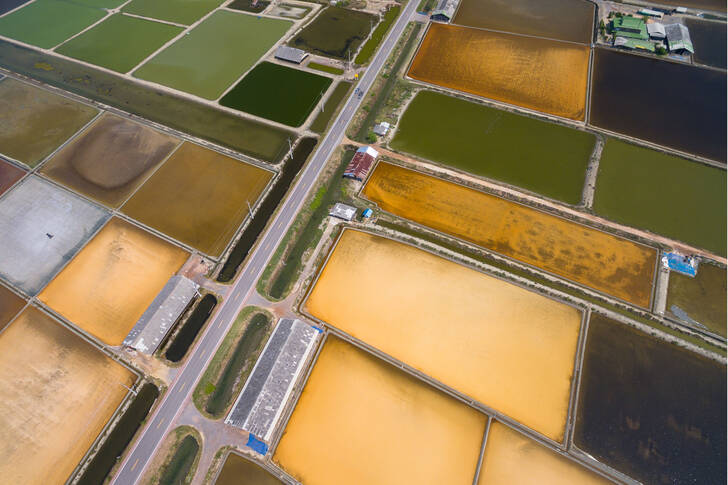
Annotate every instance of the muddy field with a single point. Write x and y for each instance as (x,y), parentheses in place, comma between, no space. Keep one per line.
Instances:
(41,228)
(240,471)
(601,261)
(199,197)
(110,159)
(702,298)
(10,305)
(9,174)
(335,32)
(570,20)
(511,457)
(650,409)
(500,344)
(34,122)
(107,287)
(543,75)
(58,392)
(360,420)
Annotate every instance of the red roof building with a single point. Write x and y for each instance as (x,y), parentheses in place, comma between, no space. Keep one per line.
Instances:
(361,163)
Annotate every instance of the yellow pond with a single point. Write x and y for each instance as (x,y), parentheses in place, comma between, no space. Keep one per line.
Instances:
(587,256)
(106,288)
(507,347)
(539,74)
(361,420)
(511,458)
(57,393)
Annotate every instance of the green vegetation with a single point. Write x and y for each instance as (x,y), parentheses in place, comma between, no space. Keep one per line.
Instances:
(385,91)
(47,23)
(702,297)
(179,11)
(321,122)
(178,469)
(371,45)
(109,44)
(278,93)
(542,157)
(120,437)
(304,234)
(214,54)
(246,136)
(335,32)
(662,193)
(325,68)
(247,5)
(426,6)
(557,286)
(232,362)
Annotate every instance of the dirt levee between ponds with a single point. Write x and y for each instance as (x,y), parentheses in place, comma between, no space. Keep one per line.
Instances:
(34,122)
(110,159)
(58,392)
(199,197)
(107,287)
(362,420)
(593,258)
(496,342)
(539,74)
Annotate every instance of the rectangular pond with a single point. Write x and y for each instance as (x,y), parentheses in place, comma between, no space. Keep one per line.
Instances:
(496,342)
(709,40)
(702,298)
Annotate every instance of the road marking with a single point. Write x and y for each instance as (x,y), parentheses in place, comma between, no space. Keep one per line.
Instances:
(160,423)
(135,464)
(183,386)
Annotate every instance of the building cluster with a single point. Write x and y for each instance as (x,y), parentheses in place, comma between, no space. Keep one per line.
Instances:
(652,36)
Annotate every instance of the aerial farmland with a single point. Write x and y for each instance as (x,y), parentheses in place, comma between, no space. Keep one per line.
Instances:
(373,241)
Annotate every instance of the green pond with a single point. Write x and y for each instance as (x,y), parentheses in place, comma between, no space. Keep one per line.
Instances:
(701,297)
(335,32)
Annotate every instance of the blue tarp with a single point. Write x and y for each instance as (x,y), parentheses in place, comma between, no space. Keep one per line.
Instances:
(682,264)
(256,445)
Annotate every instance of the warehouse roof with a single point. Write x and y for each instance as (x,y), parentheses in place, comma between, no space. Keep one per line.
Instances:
(678,38)
(161,315)
(630,27)
(361,163)
(637,44)
(656,29)
(291,54)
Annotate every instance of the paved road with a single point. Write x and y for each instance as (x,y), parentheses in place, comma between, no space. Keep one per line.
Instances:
(159,423)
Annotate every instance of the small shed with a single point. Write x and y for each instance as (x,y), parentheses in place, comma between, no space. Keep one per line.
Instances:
(445,11)
(650,13)
(382,128)
(359,166)
(343,211)
(290,54)
(630,27)
(367,213)
(656,31)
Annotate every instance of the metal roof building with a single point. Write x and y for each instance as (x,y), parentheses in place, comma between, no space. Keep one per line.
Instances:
(634,44)
(656,30)
(445,11)
(343,211)
(271,382)
(361,163)
(290,54)
(382,128)
(678,38)
(630,27)
(157,320)
(650,13)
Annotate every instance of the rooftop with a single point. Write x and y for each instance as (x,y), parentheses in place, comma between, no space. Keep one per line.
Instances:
(678,38)
(343,211)
(630,27)
(290,54)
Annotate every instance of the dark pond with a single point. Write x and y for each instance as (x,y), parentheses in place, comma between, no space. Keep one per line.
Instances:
(709,41)
(267,207)
(650,409)
(671,104)
(187,334)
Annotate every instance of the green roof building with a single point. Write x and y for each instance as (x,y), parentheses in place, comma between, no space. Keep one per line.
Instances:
(630,27)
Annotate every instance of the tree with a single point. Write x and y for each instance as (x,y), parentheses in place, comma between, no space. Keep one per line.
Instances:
(661,51)
(371,137)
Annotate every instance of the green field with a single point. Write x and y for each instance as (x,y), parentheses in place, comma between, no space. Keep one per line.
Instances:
(335,32)
(668,195)
(214,54)
(101,3)
(538,156)
(278,93)
(179,11)
(176,471)
(367,51)
(701,297)
(47,23)
(109,44)
(321,122)
(325,68)
(250,137)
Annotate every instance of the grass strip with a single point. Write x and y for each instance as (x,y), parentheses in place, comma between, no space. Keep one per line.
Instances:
(120,437)
(246,136)
(386,90)
(426,6)
(371,45)
(551,284)
(267,207)
(187,334)
(321,122)
(179,467)
(232,362)
(310,233)
(325,68)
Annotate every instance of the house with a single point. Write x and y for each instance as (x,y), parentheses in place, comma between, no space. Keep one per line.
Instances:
(382,128)
(445,11)
(634,44)
(361,163)
(290,54)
